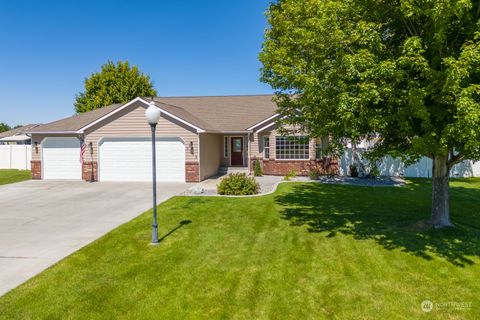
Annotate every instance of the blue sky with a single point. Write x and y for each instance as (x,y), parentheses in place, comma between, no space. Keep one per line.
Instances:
(191,47)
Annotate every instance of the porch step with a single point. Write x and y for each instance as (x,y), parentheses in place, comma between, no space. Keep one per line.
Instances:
(228,170)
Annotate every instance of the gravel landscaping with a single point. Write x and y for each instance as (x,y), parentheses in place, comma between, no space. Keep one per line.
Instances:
(268,183)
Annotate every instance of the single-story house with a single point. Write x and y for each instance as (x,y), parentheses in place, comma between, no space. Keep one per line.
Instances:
(196,138)
(17,136)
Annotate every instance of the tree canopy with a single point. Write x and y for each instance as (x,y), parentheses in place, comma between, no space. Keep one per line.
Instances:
(115,83)
(403,72)
(4,127)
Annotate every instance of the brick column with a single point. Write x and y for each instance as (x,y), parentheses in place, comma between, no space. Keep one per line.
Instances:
(36,169)
(87,171)
(192,171)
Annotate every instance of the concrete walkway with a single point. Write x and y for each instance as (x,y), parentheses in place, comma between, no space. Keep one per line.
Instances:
(41,222)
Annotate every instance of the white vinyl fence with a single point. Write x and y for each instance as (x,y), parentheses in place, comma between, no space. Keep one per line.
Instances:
(423,168)
(15,156)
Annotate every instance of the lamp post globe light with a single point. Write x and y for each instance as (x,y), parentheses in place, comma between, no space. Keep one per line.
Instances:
(153,115)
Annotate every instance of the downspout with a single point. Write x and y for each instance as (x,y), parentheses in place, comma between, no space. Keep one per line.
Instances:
(248,152)
(199,159)
(31,153)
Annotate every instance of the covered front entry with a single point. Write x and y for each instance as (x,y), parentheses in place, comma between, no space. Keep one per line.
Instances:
(236,145)
(130,159)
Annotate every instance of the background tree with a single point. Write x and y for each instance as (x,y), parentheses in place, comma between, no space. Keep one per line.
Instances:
(4,127)
(115,83)
(404,73)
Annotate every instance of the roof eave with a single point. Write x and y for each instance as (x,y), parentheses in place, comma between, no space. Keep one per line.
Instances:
(54,132)
(138,99)
(264,121)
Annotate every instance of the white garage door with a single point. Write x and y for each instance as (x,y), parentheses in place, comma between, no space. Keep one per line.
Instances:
(61,158)
(131,160)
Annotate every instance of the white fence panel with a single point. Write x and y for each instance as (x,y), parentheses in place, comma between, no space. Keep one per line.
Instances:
(421,169)
(4,157)
(15,157)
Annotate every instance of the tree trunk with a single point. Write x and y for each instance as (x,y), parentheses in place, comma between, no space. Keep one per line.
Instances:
(357,161)
(440,194)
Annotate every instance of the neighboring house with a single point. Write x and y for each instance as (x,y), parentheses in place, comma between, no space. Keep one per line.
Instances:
(196,138)
(15,148)
(17,135)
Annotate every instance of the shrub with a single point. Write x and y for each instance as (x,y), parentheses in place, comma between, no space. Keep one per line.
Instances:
(291,174)
(353,171)
(238,184)
(314,174)
(374,172)
(257,170)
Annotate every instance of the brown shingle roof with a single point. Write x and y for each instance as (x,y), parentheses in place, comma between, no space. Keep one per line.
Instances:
(224,113)
(214,113)
(77,121)
(17,131)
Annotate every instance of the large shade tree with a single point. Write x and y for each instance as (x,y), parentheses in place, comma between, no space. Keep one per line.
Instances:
(115,83)
(405,73)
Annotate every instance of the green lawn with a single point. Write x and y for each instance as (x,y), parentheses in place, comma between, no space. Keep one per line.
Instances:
(11,175)
(308,251)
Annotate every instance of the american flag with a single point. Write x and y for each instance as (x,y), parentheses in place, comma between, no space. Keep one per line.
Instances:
(83,147)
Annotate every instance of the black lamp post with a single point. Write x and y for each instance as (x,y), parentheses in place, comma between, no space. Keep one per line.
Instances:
(153,115)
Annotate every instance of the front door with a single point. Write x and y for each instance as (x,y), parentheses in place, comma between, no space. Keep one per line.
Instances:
(237,151)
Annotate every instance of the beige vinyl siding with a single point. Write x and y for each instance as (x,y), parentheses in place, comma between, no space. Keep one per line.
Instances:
(254,145)
(37,151)
(131,122)
(211,154)
(257,145)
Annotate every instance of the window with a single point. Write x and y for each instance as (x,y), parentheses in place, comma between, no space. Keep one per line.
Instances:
(318,148)
(266,147)
(225,147)
(321,144)
(292,148)
(237,145)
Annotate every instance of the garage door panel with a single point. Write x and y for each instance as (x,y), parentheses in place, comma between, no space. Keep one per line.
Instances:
(130,160)
(61,158)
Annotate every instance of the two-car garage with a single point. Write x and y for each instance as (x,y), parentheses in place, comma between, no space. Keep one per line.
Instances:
(117,146)
(131,159)
(119,159)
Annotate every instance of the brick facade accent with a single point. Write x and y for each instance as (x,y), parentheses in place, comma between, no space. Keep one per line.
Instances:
(192,171)
(87,171)
(302,168)
(36,169)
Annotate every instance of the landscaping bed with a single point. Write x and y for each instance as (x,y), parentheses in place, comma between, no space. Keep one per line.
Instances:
(268,184)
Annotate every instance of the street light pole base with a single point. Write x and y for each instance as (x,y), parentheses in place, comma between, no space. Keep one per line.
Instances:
(154,243)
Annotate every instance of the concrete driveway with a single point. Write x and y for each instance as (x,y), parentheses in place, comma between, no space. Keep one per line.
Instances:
(42,222)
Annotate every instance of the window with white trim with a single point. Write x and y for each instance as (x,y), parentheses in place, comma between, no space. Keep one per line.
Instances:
(318,148)
(292,147)
(266,147)
(225,147)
